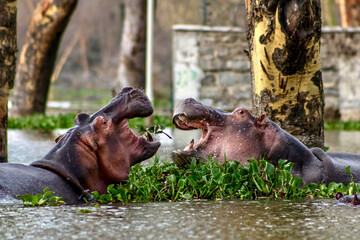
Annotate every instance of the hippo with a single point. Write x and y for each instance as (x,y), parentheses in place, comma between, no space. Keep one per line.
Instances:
(99,150)
(348,199)
(239,136)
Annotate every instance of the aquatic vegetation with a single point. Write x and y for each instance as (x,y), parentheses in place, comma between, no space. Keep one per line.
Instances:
(210,180)
(83,211)
(349,125)
(41,199)
(206,180)
(41,121)
(63,121)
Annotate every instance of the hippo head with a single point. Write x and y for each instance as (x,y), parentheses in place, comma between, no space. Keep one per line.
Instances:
(236,135)
(101,148)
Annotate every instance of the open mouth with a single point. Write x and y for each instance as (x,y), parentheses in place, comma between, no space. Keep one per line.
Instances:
(141,146)
(182,122)
(140,136)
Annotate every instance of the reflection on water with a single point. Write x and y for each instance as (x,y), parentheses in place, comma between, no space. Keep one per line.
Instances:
(26,146)
(343,141)
(309,219)
(185,220)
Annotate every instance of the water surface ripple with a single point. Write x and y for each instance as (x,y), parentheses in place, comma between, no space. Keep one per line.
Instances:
(267,219)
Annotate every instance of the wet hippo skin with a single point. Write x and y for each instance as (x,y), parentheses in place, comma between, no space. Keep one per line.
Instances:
(99,150)
(348,199)
(238,136)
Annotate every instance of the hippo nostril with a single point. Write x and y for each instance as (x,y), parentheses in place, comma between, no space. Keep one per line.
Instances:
(127,89)
(134,93)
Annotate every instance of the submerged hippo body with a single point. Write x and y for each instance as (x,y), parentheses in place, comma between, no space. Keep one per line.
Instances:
(98,151)
(348,199)
(239,136)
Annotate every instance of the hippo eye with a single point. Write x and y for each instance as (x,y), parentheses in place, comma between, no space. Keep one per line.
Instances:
(241,111)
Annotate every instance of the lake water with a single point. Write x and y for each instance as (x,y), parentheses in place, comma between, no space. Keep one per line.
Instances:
(264,219)
(278,219)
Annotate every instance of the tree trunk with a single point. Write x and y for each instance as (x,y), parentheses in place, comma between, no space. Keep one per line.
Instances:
(133,46)
(350,13)
(38,56)
(8,49)
(284,44)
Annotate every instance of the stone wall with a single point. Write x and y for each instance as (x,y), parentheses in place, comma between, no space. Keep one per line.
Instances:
(209,64)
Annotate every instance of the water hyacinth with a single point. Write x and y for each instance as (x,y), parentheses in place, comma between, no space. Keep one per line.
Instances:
(211,180)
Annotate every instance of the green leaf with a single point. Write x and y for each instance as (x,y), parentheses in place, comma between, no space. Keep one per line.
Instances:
(95,194)
(47,194)
(181,183)
(171,178)
(42,202)
(269,168)
(26,198)
(35,200)
(347,170)
(83,211)
(187,196)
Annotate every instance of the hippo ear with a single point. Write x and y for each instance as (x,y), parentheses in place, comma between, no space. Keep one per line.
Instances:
(339,195)
(82,119)
(260,122)
(59,137)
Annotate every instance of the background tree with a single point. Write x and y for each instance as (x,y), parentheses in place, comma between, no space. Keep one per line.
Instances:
(133,46)
(8,48)
(284,44)
(350,12)
(38,56)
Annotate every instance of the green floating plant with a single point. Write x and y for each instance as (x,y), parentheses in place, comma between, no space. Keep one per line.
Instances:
(41,121)
(211,180)
(41,199)
(207,180)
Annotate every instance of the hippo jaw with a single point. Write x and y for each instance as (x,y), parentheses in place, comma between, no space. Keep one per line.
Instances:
(192,115)
(111,124)
(101,148)
(115,139)
(225,135)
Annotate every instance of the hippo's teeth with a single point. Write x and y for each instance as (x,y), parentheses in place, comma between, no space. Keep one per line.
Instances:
(190,146)
(148,137)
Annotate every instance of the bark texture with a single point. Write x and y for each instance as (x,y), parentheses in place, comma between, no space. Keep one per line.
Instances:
(133,46)
(284,44)
(8,49)
(38,56)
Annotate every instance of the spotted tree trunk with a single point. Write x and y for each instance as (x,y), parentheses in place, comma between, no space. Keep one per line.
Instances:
(133,46)
(8,48)
(284,47)
(38,56)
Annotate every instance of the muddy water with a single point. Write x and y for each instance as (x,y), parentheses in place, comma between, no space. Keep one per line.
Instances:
(308,219)
(185,220)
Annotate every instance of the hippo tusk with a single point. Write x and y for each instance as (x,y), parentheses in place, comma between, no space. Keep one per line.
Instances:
(148,137)
(190,146)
